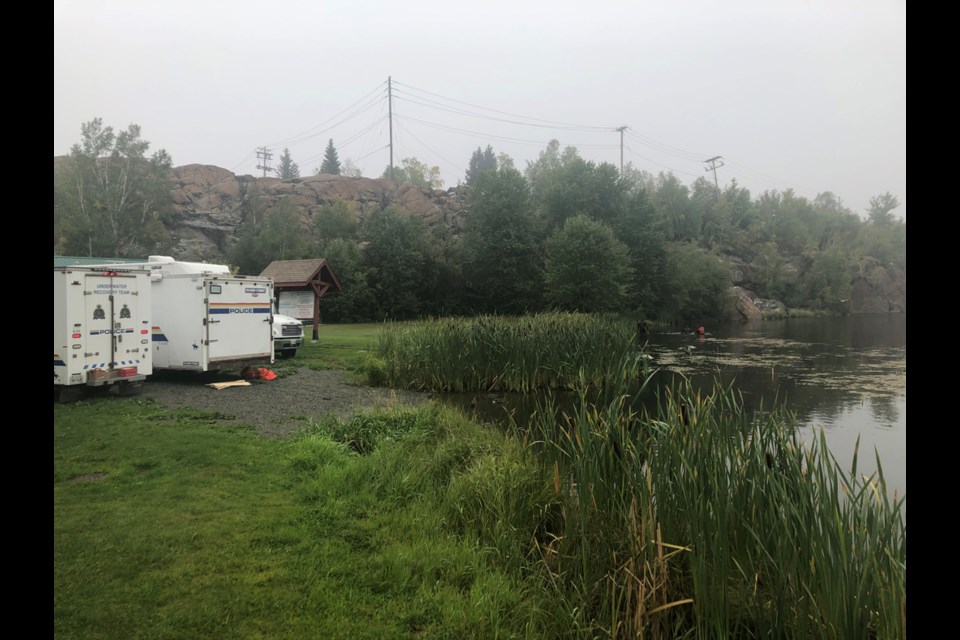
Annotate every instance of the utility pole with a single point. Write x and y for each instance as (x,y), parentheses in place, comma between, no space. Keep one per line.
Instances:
(621,130)
(713,167)
(264,154)
(390,113)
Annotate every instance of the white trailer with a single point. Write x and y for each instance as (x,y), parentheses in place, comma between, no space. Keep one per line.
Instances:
(101,328)
(205,319)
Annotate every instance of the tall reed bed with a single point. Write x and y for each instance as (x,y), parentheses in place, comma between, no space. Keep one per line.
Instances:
(495,353)
(697,520)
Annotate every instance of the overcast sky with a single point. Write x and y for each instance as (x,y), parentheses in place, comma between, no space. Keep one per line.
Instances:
(806,94)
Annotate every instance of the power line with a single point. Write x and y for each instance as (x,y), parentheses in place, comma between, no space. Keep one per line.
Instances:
(664,148)
(349,139)
(756,175)
(296,139)
(490,136)
(244,161)
(514,115)
(660,163)
(369,105)
(496,119)
(452,164)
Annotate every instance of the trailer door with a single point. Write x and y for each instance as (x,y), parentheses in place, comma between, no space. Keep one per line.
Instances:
(112,313)
(239,313)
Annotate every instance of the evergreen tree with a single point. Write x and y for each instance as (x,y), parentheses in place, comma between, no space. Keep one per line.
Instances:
(331,164)
(480,161)
(288,169)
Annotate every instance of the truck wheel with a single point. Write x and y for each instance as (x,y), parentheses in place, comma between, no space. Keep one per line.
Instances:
(286,354)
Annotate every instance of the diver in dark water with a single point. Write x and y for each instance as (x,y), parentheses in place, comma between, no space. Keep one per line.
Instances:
(642,328)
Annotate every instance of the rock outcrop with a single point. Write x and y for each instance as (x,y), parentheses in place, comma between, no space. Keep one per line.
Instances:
(744,307)
(211,202)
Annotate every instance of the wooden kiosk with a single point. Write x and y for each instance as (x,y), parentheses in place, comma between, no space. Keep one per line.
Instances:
(299,285)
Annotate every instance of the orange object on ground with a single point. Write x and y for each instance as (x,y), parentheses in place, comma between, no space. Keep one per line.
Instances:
(260,373)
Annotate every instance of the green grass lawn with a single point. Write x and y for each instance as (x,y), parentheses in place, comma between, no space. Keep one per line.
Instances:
(339,346)
(177,525)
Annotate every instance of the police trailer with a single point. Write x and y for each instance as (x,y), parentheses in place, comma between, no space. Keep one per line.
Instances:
(101,329)
(205,319)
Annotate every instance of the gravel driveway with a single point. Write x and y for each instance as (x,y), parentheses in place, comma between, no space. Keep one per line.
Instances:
(278,407)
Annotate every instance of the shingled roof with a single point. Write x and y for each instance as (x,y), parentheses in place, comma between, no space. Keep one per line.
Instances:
(301,273)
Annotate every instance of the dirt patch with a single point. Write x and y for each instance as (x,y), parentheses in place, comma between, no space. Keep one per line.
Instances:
(276,408)
(89,477)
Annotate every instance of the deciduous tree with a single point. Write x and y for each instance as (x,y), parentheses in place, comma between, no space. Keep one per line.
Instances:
(273,233)
(881,208)
(698,285)
(413,171)
(396,255)
(355,301)
(350,169)
(587,268)
(501,245)
(110,199)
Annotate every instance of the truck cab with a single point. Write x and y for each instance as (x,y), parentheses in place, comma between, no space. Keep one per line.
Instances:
(287,335)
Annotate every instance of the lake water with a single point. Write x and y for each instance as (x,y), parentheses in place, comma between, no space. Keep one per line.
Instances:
(846,376)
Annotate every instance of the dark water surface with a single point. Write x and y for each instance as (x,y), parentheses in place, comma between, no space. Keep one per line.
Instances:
(846,376)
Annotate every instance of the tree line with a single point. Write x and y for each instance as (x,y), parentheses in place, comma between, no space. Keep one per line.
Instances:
(563,233)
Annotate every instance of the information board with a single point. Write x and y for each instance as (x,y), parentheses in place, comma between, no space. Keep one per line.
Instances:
(297,304)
